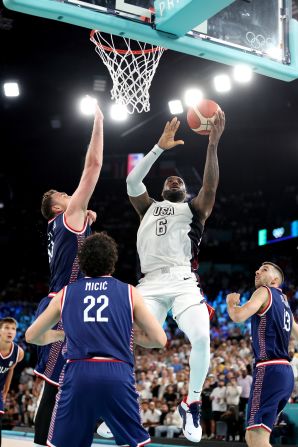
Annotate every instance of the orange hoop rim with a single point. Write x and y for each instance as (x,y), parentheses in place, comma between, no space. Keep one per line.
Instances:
(115,50)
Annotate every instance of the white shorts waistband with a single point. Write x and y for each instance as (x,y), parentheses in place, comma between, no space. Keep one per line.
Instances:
(166,270)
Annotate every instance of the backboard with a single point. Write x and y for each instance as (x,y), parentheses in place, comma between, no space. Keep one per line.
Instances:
(260,33)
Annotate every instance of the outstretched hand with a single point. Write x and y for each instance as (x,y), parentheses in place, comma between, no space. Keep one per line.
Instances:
(98,113)
(167,139)
(217,127)
(91,216)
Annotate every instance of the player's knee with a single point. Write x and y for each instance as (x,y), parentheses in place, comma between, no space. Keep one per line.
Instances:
(247,438)
(200,340)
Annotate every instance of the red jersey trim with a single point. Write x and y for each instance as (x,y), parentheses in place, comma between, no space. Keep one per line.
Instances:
(268,305)
(72,229)
(53,218)
(42,376)
(95,359)
(130,295)
(144,442)
(11,351)
(252,427)
(62,301)
(273,362)
(52,294)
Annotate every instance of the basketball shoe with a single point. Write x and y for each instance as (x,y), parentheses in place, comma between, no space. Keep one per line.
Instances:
(104,431)
(190,415)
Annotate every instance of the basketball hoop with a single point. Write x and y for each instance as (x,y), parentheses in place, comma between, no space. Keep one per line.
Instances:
(131,70)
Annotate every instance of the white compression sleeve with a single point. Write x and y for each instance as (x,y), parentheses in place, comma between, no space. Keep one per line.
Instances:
(135,186)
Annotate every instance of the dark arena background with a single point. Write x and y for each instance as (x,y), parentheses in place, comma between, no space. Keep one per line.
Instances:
(44,138)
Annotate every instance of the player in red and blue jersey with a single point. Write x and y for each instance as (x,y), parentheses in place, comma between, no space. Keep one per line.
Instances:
(272,325)
(10,355)
(98,313)
(68,226)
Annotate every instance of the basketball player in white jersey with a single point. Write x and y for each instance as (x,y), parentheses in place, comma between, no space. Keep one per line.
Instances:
(167,242)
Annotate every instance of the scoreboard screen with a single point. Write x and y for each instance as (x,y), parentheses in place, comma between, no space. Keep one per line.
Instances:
(272,235)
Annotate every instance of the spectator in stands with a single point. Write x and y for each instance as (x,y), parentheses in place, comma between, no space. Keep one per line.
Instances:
(219,405)
(176,364)
(170,395)
(245,381)
(206,415)
(233,393)
(150,418)
(244,350)
(170,425)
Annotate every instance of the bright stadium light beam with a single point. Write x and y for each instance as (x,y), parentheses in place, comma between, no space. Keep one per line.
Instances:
(222,83)
(175,107)
(275,53)
(11,89)
(87,105)
(119,112)
(193,96)
(243,73)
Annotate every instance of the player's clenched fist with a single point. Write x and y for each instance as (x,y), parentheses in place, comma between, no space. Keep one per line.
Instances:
(233,299)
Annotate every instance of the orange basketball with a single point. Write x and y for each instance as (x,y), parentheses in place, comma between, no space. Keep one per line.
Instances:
(200,116)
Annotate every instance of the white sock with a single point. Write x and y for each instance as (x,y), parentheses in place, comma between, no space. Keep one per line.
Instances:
(195,323)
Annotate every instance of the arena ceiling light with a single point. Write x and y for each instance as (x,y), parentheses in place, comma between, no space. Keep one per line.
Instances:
(193,96)
(243,73)
(87,105)
(11,89)
(119,112)
(175,107)
(222,83)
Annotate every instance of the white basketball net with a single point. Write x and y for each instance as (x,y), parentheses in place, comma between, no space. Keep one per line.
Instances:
(131,70)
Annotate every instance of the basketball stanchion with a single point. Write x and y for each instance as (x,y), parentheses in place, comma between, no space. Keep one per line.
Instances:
(131,69)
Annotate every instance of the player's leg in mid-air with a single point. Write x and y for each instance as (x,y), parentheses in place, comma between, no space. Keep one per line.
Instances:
(191,314)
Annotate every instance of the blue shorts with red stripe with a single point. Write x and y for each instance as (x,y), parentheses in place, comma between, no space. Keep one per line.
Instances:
(271,389)
(93,390)
(50,360)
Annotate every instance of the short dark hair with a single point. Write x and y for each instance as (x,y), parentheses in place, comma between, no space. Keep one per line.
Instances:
(46,204)
(277,268)
(8,320)
(98,255)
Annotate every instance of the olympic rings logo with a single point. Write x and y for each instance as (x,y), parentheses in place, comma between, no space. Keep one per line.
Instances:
(258,41)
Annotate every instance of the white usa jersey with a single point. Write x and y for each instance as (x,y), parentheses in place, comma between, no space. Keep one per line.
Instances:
(169,235)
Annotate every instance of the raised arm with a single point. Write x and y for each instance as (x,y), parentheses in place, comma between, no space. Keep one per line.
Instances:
(40,333)
(203,203)
(77,207)
(257,301)
(153,335)
(136,189)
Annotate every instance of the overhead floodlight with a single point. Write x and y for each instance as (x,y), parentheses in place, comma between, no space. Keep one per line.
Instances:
(222,83)
(193,96)
(242,73)
(119,112)
(175,107)
(11,89)
(88,105)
